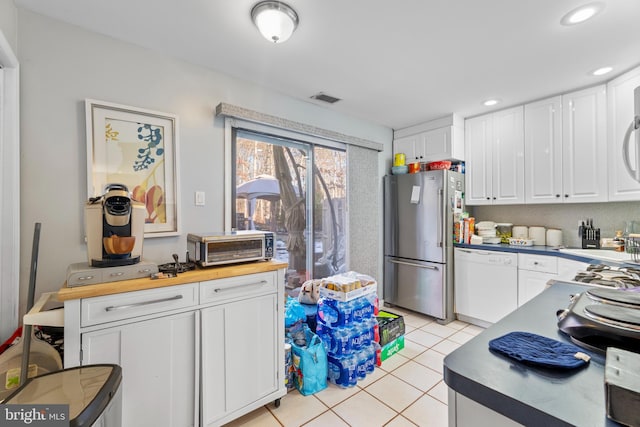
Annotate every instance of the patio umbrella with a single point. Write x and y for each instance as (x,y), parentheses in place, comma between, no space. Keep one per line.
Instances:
(294,210)
(261,187)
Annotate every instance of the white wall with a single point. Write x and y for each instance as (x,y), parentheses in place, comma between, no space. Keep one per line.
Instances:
(61,66)
(9,23)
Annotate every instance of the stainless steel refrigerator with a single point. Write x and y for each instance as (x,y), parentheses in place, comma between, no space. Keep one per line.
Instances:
(418,240)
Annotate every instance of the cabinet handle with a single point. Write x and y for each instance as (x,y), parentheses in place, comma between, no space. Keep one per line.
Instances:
(557,195)
(138,304)
(429,267)
(566,195)
(260,283)
(119,273)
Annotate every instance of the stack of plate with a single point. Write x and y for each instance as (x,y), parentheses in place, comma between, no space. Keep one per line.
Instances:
(486,229)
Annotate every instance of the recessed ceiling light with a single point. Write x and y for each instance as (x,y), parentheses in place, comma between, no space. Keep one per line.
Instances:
(601,71)
(582,13)
(490,102)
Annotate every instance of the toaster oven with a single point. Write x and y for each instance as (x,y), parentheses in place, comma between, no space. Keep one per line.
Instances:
(218,248)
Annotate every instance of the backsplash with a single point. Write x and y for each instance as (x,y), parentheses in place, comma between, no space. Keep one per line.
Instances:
(609,217)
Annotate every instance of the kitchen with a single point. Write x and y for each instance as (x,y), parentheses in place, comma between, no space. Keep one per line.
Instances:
(55,80)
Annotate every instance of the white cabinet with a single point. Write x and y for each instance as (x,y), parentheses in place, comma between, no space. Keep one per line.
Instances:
(584,145)
(157,352)
(534,271)
(620,112)
(440,139)
(159,368)
(543,151)
(486,285)
(494,147)
(201,353)
(242,355)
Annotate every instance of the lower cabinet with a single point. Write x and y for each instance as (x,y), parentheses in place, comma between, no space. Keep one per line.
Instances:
(239,357)
(159,368)
(197,354)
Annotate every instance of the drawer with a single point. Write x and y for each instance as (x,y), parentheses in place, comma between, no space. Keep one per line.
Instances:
(234,287)
(542,263)
(129,305)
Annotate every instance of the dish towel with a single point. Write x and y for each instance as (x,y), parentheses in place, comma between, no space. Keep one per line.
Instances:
(537,350)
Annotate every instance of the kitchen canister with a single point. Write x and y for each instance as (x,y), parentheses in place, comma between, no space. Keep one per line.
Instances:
(399,159)
(554,237)
(538,235)
(520,232)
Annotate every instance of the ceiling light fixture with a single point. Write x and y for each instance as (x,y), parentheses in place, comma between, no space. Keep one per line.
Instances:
(275,20)
(582,13)
(601,71)
(490,102)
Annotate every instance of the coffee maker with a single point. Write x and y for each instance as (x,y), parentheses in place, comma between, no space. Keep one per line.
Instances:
(114,228)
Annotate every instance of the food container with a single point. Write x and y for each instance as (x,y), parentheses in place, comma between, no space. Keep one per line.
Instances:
(503,230)
(538,235)
(399,159)
(554,237)
(443,164)
(520,232)
(520,242)
(399,170)
(414,167)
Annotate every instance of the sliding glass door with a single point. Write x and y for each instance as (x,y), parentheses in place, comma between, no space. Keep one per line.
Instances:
(297,190)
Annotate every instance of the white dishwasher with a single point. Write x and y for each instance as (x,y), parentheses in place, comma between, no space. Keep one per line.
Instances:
(485,285)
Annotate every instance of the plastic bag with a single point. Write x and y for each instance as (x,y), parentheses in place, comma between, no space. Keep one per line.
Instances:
(310,364)
(293,312)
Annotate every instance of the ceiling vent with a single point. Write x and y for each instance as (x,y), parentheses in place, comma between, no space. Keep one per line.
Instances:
(325,98)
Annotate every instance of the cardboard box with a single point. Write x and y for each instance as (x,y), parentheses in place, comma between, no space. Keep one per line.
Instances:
(347,296)
(391,326)
(391,348)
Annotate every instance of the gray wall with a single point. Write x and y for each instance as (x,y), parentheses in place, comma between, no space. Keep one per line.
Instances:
(609,217)
(9,23)
(61,66)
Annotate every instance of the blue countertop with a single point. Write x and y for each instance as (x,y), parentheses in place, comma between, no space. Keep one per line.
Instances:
(541,250)
(530,395)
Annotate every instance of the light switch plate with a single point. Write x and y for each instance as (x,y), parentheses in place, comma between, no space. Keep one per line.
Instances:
(199,198)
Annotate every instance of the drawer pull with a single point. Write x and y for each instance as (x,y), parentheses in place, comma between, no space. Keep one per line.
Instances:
(86,277)
(119,273)
(260,283)
(138,304)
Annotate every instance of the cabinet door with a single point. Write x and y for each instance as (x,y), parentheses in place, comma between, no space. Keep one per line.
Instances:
(543,151)
(620,110)
(240,362)
(407,145)
(159,369)
(508,156)
(436,144)
(584,154)
(478,134)
(531,283)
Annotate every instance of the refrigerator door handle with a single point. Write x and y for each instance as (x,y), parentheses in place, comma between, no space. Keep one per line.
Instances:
(440,216)
(429,267)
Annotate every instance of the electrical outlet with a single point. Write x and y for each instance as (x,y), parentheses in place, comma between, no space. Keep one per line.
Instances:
(199,198)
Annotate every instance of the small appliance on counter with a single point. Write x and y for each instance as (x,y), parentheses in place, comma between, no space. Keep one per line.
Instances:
(217,248)
(114,228)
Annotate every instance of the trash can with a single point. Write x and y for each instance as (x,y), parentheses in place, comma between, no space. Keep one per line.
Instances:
(91,392)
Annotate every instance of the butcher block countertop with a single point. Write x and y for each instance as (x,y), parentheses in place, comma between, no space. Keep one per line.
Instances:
(197,275)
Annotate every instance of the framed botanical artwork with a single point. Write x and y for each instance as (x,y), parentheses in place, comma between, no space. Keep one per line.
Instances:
(137,148)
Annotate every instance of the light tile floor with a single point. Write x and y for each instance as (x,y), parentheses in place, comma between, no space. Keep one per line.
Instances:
(407,390)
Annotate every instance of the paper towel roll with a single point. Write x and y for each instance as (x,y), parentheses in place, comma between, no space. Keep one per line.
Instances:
(538,235)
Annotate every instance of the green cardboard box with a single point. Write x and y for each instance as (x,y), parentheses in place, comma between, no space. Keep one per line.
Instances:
(392,348)
(391,326)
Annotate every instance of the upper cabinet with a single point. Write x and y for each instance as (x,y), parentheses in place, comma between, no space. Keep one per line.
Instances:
(565,148)
(440,139)
(620,113)
(543,151)
(494,147)
(584,145)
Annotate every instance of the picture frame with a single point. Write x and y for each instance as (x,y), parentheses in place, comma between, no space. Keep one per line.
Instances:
(138,148)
